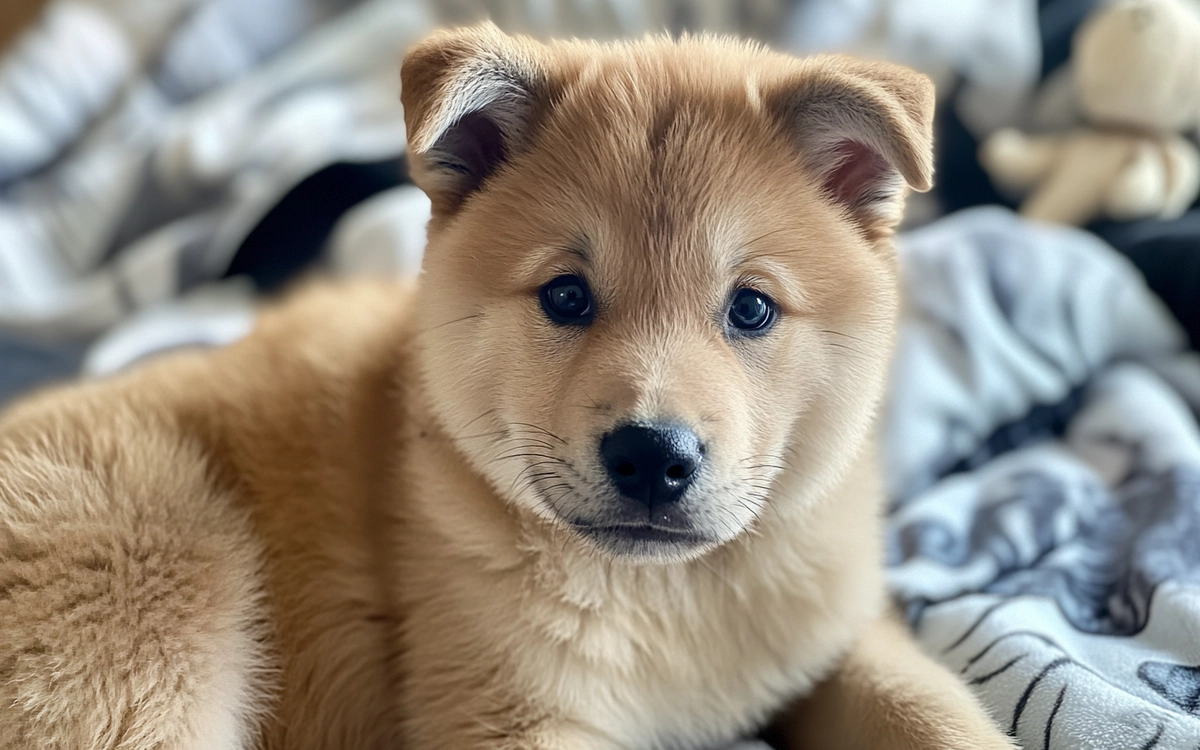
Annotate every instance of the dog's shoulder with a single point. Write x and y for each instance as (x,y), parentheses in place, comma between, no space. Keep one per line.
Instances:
(336,311)
(319,360)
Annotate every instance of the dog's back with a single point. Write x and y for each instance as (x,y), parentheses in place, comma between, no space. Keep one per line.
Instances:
(190,548)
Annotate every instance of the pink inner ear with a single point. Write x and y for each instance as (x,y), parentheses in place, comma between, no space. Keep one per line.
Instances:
(858,175)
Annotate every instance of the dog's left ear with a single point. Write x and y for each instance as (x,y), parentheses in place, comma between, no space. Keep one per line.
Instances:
(864,129)
(470,97)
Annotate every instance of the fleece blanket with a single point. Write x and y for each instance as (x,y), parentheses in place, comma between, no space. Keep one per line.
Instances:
(1044,457)
(142,141)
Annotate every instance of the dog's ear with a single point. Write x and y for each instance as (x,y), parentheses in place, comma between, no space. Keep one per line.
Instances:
(470,96)
(865,129)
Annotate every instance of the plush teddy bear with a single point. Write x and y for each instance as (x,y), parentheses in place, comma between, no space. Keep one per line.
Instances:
(1136,65)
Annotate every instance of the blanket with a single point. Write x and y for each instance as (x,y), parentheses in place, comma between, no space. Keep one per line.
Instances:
(158,170)
(1044,459)
(142,141)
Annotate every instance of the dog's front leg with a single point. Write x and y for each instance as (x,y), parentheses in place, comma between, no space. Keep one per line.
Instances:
(888,695)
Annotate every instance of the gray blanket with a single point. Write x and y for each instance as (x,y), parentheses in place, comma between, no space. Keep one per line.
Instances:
(1057,568)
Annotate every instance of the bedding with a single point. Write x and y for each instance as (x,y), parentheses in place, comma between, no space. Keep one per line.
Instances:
(144,188)
(1043,456)
(1040,442)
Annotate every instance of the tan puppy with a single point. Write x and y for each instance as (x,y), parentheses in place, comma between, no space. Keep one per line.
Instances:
(605,481)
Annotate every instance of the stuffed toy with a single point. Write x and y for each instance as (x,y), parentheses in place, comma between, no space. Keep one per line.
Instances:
(1136,65)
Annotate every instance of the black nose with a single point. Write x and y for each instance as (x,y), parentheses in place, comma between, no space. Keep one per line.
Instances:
(653,463)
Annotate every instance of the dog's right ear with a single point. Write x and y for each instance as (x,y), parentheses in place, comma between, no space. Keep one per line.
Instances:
(470,97)
(865,129)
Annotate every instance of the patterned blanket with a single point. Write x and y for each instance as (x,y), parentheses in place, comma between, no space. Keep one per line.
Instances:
(1056,561)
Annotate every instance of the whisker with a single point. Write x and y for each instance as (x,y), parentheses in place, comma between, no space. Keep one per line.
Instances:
(456,320)
(523,453)
(486,413)
(542,430)
(528,444)
(777,467)
(719,576)
(481,435)
(522,476)
(845,335)
(847,347)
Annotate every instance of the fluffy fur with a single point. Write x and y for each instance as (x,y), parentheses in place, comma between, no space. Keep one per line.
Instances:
(365,525)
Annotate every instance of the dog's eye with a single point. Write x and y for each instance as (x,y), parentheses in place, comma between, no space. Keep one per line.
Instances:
(751,311)
(567,301)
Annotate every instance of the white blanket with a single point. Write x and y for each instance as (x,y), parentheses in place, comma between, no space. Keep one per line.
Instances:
(141,140)
(1059,574)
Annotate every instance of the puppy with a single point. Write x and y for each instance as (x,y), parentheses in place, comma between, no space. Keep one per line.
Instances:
(604,480)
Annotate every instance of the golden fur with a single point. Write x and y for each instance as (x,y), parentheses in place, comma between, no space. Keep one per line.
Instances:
(362,527)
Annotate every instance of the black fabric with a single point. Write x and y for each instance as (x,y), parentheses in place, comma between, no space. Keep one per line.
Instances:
(961,181)
(293,233)
(1043,422)
(1168,255)
(1057,23)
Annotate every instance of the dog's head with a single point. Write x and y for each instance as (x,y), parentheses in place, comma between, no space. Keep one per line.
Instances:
(659,280)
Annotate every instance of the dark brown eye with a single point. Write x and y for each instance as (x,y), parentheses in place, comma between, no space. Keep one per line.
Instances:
(567,301)
(751,311)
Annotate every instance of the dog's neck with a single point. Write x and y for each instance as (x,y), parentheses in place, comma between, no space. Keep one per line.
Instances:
(590,612)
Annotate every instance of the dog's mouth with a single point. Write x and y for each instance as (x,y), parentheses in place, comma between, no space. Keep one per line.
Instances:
(644,539)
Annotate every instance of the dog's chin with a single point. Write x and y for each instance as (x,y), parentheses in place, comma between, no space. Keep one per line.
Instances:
(645,543)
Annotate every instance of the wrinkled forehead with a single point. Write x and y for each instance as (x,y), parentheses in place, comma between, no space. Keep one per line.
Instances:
(650,127)
(652,162)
